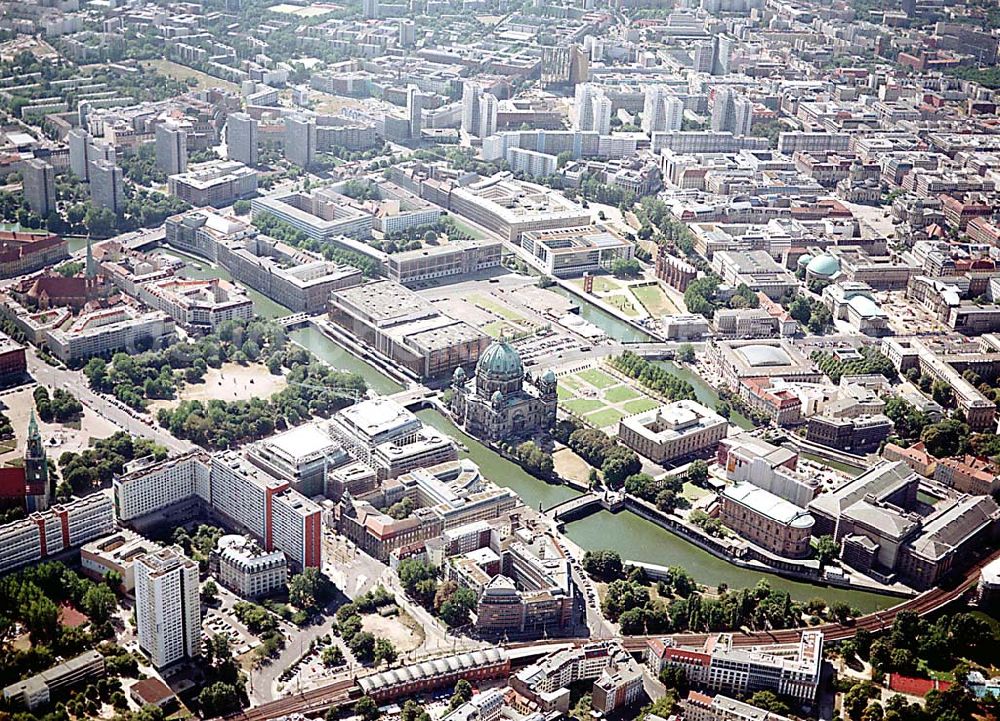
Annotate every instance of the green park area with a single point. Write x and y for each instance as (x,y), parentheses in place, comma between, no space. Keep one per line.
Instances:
(633,299)
(600,399)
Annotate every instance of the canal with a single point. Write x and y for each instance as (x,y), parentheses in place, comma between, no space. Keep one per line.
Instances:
(339,357)
(634,537)
(614,327)
(196,267)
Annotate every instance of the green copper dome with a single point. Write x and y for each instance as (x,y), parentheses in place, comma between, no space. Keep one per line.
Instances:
(500,362)
(824,266)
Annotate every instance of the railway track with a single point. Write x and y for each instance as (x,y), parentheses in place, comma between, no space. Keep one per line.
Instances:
(341,692)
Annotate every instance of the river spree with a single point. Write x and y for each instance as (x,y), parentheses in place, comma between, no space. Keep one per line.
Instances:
(636,538)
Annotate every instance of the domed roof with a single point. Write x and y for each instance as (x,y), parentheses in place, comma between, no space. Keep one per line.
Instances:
(496,397)
(548,376)
(804,260)
(825,266)
(500,362)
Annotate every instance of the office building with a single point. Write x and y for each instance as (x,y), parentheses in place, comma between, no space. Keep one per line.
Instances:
(699,706)
(791,670)
(39,182)
(198,305)
(171,148)
(407,33)
(510,207)
(324,215)
(472,94)
(246,569)
(116,552)
(106,186)
(167,606)
(300,140)
(572,252)
(414,110)
(36,691)
(859,435)
(147,487)
(401,325)
(216,183)
(677,430)
(241,138)
(78,140)
(302,456)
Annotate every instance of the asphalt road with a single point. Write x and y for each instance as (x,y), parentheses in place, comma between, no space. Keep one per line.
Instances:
(76,383)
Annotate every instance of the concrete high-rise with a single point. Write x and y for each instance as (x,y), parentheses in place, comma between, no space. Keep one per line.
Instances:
(167,607)
(471,93)
(300,140)
(39,182)
(106,185)
(584,106)
(370,9)
(407,33)
(732,112)
(241,138)
(171,148)
(79,144)
(661,110)
(602,114)
(414,110)
(488,109)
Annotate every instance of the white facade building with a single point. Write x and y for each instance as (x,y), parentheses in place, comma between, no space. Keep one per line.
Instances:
(168,610)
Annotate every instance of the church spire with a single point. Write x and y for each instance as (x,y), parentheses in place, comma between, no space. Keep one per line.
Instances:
(91,268)
(32,426)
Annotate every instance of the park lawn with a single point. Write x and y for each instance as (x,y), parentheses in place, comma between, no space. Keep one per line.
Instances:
(620,394)
(583,406)
(180,72)
(497,309)
(640,405)
(693,492)
(607,417)
(571,382)
(564,393)
(597,378)
(469,230)
(653,299)
(622,303)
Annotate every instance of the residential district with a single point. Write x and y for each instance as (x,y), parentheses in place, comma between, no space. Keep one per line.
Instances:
(499,360)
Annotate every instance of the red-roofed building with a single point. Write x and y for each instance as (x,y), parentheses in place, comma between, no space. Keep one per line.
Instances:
(22,253)
(152,692)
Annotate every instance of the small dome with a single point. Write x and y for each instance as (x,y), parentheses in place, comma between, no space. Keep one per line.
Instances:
(459,375)
(823,266)
(804,260)
(549,376)
(500,362)
(497,398)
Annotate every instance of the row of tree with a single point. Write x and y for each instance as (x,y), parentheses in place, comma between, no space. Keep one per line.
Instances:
(450,602)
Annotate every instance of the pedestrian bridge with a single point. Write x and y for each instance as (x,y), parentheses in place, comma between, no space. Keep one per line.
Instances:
(295,320)
(584,505)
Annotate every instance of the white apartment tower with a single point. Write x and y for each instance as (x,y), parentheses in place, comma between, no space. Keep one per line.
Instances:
(471,94)
(584,106)
(488,109)
(241,138)
(171,148)
(106,185)
(39,183)
(300,140)
(732,112)
(168,610)
(661,111)
(602,114)
(414,110)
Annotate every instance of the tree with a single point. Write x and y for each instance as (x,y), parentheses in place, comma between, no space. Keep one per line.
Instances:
(619,464)
(241,207)
(384,651)
(826,549)
(603,565)
(209,591)
(769,701)
(332,656)
(99,603)
(945,438)
(309,590)
(685,353)
(697,472)
(622,268)
(455,611)
(367,709)
(563,158)
(219,699)
(362,645)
